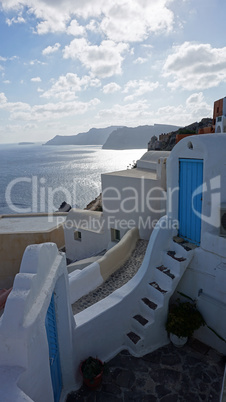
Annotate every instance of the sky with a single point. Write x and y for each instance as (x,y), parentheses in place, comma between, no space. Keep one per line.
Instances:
(69,65)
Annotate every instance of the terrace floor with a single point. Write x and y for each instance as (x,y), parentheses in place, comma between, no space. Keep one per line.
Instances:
(190,374)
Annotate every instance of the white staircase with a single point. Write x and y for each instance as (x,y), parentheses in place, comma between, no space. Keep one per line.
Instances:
(147,326)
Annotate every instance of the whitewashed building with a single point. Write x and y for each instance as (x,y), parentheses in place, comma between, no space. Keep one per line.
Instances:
(196,198)
(131,198)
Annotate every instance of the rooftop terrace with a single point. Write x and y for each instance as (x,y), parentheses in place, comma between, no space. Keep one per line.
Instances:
(193,373)
(30,223)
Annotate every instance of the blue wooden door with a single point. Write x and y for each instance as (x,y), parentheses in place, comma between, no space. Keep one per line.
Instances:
(190,199)
(54,357)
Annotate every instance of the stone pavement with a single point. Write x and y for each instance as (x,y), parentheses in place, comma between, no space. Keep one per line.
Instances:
(190,374)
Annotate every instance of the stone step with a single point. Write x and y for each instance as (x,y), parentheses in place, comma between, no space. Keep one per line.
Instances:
(157,287)
(141,322)
(176,263)
(152,305)
(166,271)
(164,277)
(176,256)
(139,318)
(133,337)
(180,247)
(156,293)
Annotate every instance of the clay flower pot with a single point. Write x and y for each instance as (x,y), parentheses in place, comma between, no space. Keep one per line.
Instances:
(92,370)
(178,341)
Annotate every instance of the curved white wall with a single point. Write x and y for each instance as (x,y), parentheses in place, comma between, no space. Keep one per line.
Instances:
(81,282)
(113,314)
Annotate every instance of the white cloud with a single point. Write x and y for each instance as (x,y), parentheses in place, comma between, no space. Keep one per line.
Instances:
(103,61)
(76,29)
(131,114)
(33,62)
(111,88)
(194,109)
(147,46)
(197,105)
(3,99)
(140,60)
(139,88)
(66,86)
(36,79)
(6,82)
(56,110)
(130,21)
(93,26)
(49,111)
(30,126)
(195,66)
(51,49)
(18,20)
(133,21)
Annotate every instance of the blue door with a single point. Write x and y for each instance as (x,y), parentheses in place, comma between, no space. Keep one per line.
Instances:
(190,199)
(54,357)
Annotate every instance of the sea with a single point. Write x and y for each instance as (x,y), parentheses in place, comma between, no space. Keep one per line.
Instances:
(36,178)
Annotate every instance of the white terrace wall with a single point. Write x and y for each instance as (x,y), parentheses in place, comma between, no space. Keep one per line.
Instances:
(93,238)
(24,353)
(205,278)
(132,201)
(81,282)
(100,329)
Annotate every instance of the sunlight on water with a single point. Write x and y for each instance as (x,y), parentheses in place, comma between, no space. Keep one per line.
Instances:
(55,172)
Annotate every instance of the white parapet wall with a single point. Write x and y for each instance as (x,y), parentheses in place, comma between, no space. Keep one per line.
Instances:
(81,282)
(24,349)
(100,329)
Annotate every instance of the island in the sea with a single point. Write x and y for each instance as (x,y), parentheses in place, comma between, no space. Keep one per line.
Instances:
(26,143)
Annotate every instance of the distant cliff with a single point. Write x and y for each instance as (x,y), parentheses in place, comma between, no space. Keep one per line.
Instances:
(166,142)
(95,136)
(135,137)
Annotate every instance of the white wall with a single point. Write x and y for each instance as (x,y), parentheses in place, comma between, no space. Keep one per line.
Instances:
(128,201)
(205,279)
(101,328)
(210,148)
(93,237)
(23,339)
(123,210)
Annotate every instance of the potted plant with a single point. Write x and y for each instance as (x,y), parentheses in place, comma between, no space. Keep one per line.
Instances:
(183,319)
(92,371)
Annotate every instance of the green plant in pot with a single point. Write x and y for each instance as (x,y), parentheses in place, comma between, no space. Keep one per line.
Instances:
(92,371)
(183,319)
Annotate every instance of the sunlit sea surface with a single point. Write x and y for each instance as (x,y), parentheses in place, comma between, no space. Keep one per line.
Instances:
(37,178)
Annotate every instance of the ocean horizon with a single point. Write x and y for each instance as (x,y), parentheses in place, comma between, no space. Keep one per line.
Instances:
(37,178)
